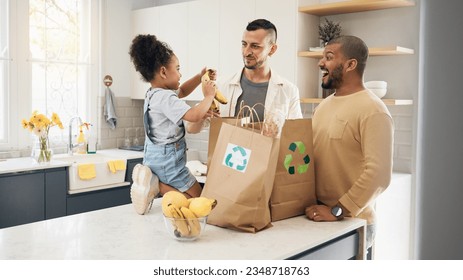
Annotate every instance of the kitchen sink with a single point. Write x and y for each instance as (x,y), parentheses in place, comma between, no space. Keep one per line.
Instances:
(104,177)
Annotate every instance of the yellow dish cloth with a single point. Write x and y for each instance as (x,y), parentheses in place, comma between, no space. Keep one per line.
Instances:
(115,165)
(119,164)
(86,171)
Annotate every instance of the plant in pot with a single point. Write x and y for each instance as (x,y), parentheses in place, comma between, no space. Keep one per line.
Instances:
(326,32)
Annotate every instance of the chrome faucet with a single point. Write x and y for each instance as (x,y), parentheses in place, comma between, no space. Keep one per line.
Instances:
(72,146)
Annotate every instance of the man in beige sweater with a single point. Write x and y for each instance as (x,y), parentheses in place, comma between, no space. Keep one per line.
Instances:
(353,139)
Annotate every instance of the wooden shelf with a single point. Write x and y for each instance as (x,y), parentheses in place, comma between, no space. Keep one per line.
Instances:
(395,102)
(354,6)
(394,50)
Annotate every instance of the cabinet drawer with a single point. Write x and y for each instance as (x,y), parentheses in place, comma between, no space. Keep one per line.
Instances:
(344,247)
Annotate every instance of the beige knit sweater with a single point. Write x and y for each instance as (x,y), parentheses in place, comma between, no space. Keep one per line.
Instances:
(353,150)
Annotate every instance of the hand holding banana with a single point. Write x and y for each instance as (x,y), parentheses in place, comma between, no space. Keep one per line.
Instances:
(218,95)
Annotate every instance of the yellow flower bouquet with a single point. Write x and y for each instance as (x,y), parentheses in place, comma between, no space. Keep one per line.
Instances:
(40,125)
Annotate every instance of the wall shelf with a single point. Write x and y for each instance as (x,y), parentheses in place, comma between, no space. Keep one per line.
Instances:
(353,7)
(395,102)
(380,51)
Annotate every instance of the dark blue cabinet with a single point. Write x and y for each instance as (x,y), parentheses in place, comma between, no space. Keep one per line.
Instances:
(55,193)
(96,200)
(32,196)
(130,165)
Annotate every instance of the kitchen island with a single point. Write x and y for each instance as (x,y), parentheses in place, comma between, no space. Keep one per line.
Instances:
(119,233)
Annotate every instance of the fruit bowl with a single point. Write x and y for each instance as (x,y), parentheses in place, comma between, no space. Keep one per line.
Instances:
(185,229)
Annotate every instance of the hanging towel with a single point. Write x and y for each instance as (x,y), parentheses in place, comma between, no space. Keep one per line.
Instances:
(116,165)
(86,171)
(110,109)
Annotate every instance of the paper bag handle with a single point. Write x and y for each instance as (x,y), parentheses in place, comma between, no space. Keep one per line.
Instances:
(252,112)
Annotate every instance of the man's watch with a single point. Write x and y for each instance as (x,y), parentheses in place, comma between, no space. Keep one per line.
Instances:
(337,212)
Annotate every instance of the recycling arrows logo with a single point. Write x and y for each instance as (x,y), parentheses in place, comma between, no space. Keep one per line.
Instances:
(236,157)
(301,168)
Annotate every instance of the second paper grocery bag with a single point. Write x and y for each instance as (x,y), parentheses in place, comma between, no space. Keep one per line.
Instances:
(294,185)
(240,178)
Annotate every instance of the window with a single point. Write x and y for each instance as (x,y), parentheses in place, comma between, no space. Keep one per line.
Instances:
(4,60)
(53,59)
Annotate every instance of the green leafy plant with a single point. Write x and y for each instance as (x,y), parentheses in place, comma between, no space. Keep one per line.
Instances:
(328,31)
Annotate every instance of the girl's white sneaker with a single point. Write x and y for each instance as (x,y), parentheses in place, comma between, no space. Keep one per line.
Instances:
(144,189)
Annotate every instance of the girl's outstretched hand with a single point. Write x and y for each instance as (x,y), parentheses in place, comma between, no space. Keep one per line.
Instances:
(208,88)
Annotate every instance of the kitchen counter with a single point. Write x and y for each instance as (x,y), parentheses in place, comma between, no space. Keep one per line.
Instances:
(120,233)
(28,164)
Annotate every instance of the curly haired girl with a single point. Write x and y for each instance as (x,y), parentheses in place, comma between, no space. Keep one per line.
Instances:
(164,113)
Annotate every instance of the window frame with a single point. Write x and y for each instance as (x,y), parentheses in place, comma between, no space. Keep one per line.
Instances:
(19,96)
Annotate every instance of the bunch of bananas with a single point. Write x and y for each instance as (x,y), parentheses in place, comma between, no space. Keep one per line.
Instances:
(185,213)
(218,95)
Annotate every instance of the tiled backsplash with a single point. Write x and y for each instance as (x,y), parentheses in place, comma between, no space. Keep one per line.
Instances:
(129,124)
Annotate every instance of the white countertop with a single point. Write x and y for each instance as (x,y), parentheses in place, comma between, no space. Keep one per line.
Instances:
(120,233)
(28,164)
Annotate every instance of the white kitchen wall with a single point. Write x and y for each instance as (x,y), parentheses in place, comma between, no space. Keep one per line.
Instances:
(116,25)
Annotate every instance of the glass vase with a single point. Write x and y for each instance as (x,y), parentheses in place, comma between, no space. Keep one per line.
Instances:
(42,152)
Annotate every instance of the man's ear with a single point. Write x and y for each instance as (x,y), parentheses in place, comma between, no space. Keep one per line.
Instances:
(351,65)
(273,49)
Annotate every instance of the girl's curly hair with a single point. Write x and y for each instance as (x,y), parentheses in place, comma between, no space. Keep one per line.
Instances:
(148,54)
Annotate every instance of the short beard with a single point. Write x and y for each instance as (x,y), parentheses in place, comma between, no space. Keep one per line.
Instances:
(252,67)
(335,79)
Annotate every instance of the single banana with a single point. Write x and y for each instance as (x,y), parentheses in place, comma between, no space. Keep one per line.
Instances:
(218,95)
(214,106)
(195,227)
(176,198)
(202,206)
(189,200)
(180,223)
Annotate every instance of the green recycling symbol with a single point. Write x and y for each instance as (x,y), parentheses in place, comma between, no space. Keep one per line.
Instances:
(242,152)
(302,168)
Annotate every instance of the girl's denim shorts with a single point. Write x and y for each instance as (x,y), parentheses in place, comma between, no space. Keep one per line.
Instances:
(168,162)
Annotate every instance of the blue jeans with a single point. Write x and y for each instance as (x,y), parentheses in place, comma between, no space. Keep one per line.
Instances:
(168,162)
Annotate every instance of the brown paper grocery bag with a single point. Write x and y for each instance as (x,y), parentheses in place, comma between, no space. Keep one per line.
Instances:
(214,129)
(216,123)
(294,185)
(240,178)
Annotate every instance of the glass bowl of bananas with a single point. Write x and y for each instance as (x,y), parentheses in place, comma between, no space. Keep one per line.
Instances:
(185,229)
(185,219)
